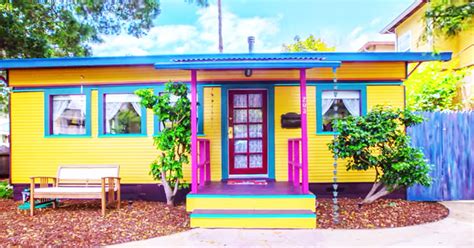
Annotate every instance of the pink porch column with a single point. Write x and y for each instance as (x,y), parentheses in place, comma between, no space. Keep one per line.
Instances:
(304,132)
(194,158)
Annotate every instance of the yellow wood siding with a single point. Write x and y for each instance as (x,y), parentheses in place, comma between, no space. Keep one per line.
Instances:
(212,128)
(35,155)
(386,95)
(147,74)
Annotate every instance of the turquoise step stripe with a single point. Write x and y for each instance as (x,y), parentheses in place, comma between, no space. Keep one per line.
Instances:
(253,196)
(252,216)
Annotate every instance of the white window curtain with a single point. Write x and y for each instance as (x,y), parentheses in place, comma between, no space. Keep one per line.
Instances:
(68,109)
(351,100)
(113,104)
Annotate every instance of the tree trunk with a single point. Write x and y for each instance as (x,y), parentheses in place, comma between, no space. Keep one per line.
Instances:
(375,194)
(169,193)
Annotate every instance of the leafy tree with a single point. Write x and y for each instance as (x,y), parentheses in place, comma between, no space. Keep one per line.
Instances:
(378,141)
(309,44)
(174,140)
(6,190)
(433,87)
(447,18)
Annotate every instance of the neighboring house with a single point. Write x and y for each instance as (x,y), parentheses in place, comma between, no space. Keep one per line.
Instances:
(408,28)
(378,46)
(64,111)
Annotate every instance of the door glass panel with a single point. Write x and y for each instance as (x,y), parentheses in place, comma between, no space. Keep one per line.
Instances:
(256,161)
(255,100)
(240,101)
(255,131)
(240,146)
(255,115)
(240,131)
(240,116)
(255,146)
(240,161)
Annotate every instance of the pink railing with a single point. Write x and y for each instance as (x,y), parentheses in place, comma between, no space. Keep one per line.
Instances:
(295,167)
(204,161)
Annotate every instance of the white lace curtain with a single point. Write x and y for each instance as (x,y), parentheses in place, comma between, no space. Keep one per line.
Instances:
(351,100)
(113,104)
(61,122)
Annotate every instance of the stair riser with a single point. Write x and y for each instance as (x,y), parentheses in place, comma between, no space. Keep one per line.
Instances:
(251,203)
(305,223)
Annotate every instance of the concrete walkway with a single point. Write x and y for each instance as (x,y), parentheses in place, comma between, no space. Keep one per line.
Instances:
(457,230)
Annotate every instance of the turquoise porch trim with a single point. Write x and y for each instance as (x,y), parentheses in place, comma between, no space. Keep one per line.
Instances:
(361,87)
(48,93)
(252,216)
(270,125)
(119,90)
(312,196)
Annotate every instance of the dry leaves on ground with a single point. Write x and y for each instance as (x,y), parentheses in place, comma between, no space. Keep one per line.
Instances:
(381,213)
(79,223)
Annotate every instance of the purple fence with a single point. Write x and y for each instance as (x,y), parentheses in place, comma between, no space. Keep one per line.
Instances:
(447,140)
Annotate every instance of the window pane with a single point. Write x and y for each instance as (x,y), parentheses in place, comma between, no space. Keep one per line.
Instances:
(240,146)
(240,100)
(68,114)
(256,146)
(255,131)
(122,114)
(347,102)
(240,116)
(255,115)
(255,100)
(256,161)
(240,131)
(240,161)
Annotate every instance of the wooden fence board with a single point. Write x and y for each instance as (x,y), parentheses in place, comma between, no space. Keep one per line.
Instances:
(447,140)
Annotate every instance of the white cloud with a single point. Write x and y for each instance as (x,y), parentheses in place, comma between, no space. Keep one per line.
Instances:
(199,38)
(359,36)
(375,21)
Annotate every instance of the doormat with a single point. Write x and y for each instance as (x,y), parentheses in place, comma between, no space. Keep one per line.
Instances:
(246,182)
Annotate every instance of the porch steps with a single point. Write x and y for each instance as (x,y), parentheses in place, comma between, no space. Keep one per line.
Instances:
(253,218)
(252,211)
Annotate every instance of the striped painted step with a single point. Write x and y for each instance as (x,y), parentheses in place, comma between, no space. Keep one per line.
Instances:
(251,202)
(238,218)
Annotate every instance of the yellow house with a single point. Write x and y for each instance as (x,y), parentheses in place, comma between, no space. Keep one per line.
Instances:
(408,28)
(263,119)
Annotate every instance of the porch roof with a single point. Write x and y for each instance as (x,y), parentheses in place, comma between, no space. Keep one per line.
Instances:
(246,64)
(279,60)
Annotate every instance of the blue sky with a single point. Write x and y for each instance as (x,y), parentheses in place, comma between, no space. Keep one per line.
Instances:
(185,28)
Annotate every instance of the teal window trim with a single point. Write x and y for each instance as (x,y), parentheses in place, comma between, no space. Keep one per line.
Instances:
(361,87)
(119,90)
(48,93)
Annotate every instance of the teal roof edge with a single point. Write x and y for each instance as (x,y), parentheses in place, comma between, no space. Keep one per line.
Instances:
(151,60)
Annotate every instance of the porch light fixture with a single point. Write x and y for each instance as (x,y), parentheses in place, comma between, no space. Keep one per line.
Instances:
(248,72)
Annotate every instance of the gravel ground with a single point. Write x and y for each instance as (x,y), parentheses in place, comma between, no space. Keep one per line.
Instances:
(79,224)
(382,213)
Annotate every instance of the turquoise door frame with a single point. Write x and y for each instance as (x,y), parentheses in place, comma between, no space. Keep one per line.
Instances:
(225,87)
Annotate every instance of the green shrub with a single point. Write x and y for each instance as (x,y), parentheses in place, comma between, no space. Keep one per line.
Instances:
(6,190)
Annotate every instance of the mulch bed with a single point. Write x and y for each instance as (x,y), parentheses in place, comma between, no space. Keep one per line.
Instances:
(380,214)
(79,223)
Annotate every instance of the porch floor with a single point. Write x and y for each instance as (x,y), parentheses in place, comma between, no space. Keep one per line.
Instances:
(272,188)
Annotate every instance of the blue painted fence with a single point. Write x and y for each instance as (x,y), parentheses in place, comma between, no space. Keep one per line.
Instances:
(447,140)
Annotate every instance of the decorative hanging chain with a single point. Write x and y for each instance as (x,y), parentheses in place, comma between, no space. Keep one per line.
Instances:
(335,185)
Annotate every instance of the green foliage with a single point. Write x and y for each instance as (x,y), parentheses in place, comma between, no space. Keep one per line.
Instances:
(6,191)
(433,88)
(309,44)
(378,141)
(447,17)
(32,29)
(174,139)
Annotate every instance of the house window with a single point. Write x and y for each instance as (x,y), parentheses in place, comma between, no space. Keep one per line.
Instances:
(68,115)
(123,114)
(348,103)
(404,42)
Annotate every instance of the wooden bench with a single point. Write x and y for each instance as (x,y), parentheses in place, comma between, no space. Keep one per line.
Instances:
(78,182)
